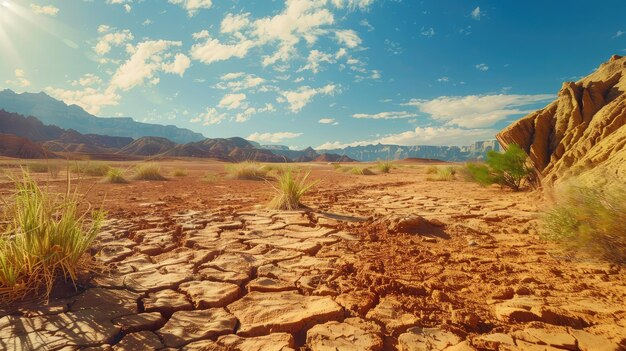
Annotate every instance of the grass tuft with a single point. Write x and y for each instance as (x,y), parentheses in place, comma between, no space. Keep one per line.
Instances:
(91,169)
(179,173)
(246,171)
(384,166)
(361,171)
(210,177)
(444,174)
(291,188)
(51,168)
(432,169)
(148,171)
(115,176)
(42,237)
(590,220)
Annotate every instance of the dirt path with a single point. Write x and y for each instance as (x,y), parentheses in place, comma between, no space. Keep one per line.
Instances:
(379,263)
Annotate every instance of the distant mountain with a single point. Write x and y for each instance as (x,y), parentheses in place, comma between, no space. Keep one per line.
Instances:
(19,147)
(367,153)
(51,111)
(75,142)
(332,158)
(148,146)
(27,127)
(230,149)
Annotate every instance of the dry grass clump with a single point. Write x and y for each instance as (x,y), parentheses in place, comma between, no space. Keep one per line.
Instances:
(384,166)
(51,168)
(246,171)
(91,169)
(179,172)
(42,237)
(432,169)
(115,176)
(291,188)
(443,174)
(590,220)
(148,171)
(361,171)
(210,177)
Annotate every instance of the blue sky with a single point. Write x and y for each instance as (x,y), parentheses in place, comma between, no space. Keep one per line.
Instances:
(327,73)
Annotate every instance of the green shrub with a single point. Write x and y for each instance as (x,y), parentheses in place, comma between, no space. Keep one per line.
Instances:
(444,174)
(246,171)
(384,166)
(91,169)
(291,188)
(590,220)
(148,171)
(361,171)
(42,237)
(507,169)
(115,176)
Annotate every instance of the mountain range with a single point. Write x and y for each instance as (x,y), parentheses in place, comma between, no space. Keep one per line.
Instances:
(58,128)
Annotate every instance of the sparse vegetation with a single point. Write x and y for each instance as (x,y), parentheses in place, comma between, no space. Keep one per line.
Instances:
(336,166)
(91,169)
(507,169)
(42,237)
(431,170)
(179,173)
(384,166)
(361,171)
(590,220)
(115,176)
(292,186)
(210,177)
(49,167)
(246,171)
(443,174)
(148,171)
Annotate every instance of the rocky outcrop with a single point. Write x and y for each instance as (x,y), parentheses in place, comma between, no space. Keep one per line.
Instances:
(582,131)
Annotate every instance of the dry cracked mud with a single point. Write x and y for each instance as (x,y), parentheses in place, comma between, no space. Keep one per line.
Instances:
(387,262)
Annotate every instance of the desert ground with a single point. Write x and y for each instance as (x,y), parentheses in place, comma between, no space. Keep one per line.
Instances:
(380,262)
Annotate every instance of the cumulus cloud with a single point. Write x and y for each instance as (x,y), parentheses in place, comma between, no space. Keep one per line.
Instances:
(209,117)
(212,50)
(386,115)
(147,59)
(88,79)
(238,81)
(475,111)
(251,111)
(90,99)
(353,4)
(300,97)
(192,6)
(233,101)
(20,79)
(44,10)
(272,137)
(111,37)
(327,121)
(315,59)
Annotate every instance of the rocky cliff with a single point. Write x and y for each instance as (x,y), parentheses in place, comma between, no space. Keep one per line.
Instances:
(582,131)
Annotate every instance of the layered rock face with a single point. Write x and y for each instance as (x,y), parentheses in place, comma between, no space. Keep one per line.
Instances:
(582,132)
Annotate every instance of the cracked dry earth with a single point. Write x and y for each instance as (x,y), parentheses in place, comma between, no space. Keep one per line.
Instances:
(387,262)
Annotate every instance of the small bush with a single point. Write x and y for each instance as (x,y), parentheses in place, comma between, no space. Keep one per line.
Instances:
(361,171)
(479,173)
(179,173)
(590,220)
(210,177)
(291,188)
(246,171)
(444,174)
(384,167)
(115,176)
(148,171)
(432,170)
(507,169)
(42,237)
(91,169)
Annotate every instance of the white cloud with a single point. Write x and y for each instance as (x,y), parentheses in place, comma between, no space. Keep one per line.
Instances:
(238,81)
(314,60)
(20,79)
(353,4)
(328,121)
(618,34)
(90,99)
(272,137)
(192,6)
(209,117)
(234,23)
(428,32)
(147,22)
(482,67)
(348,38)
(127,7)
(476,13)
(251,111)
(300,97)
(233,101)
(367,25)
(148,58)
(476,111)
(111,38)
(88,79)
(443,79)
(44,10)
(212,50)
(386,115)
(422,136)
